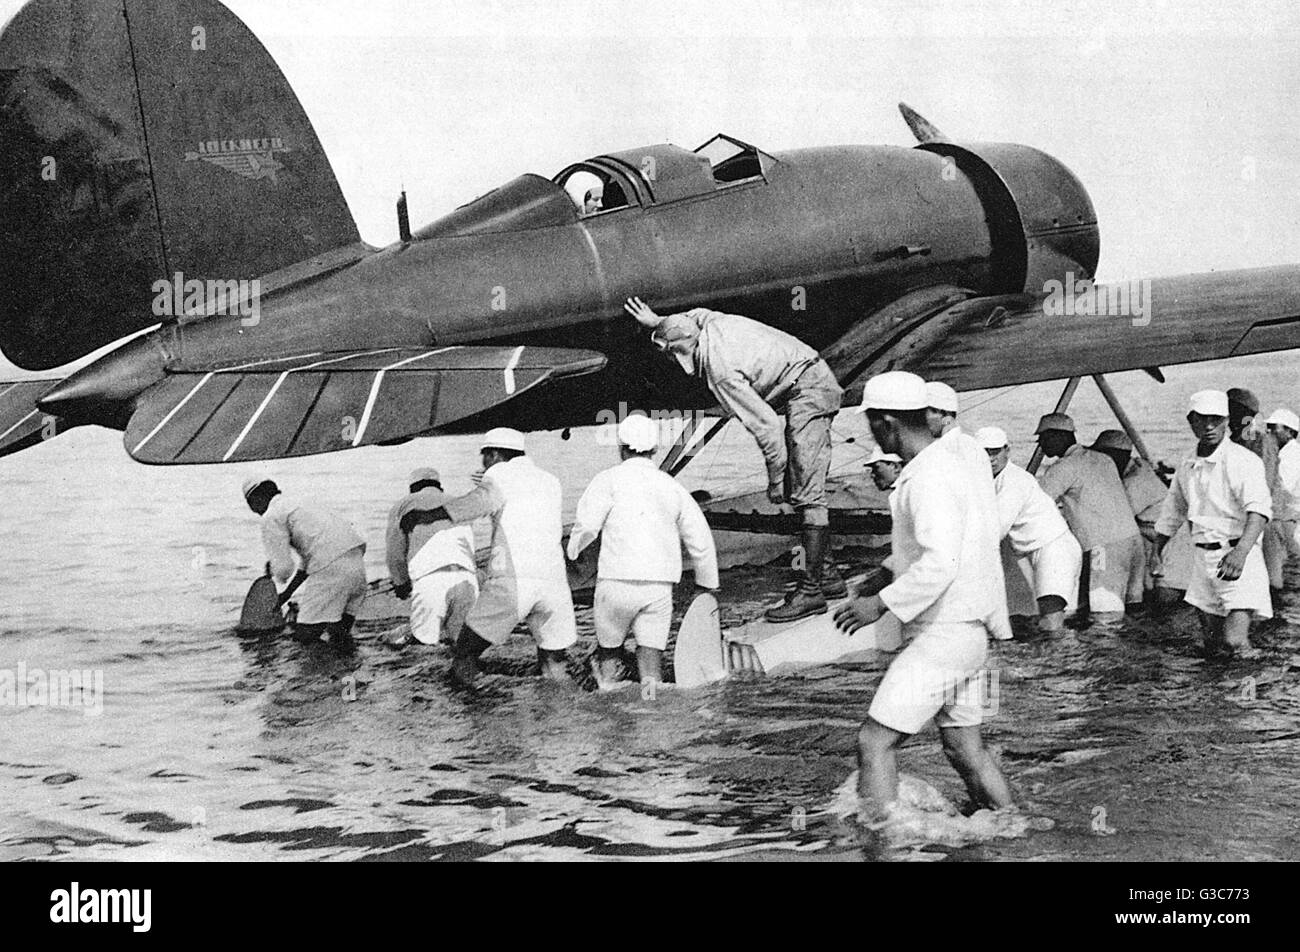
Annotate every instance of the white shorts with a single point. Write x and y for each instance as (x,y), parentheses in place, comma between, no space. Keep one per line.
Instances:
(1056,569)
(940,675)
(643,608)
(440,602)
(546,604)
(1214,596)
(334,591)
(1112,574)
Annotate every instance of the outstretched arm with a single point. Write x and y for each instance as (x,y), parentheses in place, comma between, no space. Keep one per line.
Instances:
(484,500)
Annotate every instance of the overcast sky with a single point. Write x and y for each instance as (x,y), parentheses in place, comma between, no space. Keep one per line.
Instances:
(1163,109)
(1178,117)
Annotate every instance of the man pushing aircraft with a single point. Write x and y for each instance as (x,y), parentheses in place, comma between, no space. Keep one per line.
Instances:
(757,372)
(330,579)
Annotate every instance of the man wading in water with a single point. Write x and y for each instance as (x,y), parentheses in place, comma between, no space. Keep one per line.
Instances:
(947,583)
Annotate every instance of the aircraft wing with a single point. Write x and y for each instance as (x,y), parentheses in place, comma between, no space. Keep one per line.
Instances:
(1190,318)
(318,403)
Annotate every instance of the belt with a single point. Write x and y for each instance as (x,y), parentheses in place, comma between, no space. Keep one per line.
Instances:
(1217,545)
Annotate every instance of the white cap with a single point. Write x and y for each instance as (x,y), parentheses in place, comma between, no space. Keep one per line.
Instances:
(991,437)
(941,396)
(879,457)
(251,484)
(638,433)
(894,390)
(1209,403)
(1286,418)
(504,438)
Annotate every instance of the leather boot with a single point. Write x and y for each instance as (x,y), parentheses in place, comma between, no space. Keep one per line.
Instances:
(833,584)
(807,598)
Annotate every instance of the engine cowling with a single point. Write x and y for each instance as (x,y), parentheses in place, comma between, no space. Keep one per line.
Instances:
(1041,221)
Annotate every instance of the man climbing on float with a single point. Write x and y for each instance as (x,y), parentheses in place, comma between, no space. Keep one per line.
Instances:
(756,373)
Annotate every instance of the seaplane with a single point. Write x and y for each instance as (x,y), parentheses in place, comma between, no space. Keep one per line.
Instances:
(181,265)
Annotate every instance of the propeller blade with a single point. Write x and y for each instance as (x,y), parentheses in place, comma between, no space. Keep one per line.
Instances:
(921,127)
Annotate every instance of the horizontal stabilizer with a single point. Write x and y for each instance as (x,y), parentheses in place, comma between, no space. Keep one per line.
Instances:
(319,403)
(21,423)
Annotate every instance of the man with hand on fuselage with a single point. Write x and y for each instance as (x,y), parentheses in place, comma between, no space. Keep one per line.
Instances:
(757,372)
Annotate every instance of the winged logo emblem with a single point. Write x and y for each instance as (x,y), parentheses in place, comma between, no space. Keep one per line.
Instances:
(250,158)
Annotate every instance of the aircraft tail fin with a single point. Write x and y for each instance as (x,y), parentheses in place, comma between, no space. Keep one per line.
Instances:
(141,140)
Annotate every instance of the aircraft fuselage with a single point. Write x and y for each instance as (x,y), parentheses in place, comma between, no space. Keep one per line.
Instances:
(815,242)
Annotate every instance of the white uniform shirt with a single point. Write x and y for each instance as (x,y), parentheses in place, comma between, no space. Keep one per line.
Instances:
(1287,495)
(1087,485)
(962,445)
(524,502)
(318,535)
(644,517)
(1026,515)
(945,538)
(1216,493)
(1145,491)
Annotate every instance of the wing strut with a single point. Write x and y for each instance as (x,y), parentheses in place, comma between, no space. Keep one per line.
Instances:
(1116,407)
(1104,386)
(684,450)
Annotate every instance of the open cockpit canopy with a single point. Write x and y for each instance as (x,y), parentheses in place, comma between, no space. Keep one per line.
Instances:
(734,161)
(635,178)
(656,174)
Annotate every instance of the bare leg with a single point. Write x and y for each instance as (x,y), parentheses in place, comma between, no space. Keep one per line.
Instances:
(971,759)
(340,633)
(1051,613)
(554,665)
(607,667)
(649,663)
(1211,630)
(460,600)
(877,768)
(1236,633)
(464,665)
